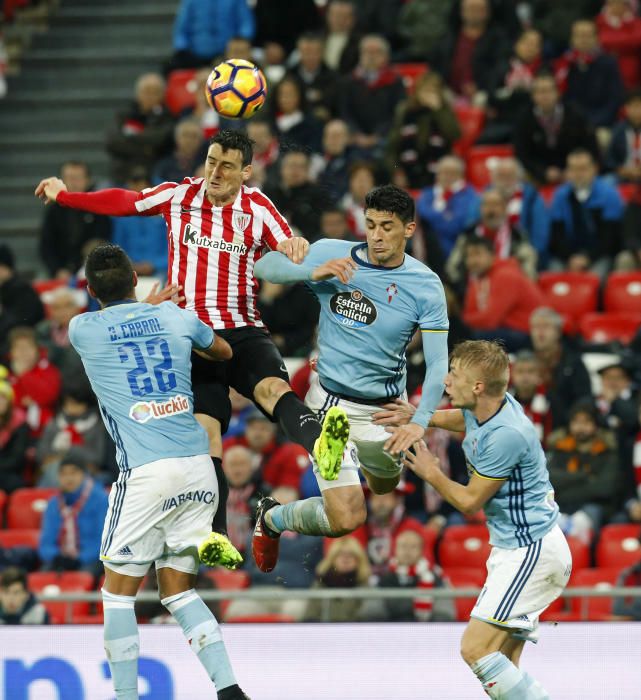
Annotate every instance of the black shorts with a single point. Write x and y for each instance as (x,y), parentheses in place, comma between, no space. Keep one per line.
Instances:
(255,358)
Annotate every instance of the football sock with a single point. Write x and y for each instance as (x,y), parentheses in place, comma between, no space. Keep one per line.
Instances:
(307,517)
(122,644)
(219,523)
(537,691)
(297,421)
(501,678)
(204,636)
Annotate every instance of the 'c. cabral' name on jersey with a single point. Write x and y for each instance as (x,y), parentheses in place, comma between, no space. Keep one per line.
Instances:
(192,236)
(144,411)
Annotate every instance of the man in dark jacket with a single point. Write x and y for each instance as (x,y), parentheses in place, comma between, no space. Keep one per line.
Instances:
(317,80)
(20,304)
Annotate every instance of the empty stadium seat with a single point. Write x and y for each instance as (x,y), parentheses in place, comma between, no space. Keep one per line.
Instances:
(478,161)
(410,72)
(572,294)
(618,546)
(471,120)
(580,553)
(586,608)
(623,292)
(464,545)
(608,327)
(20,538)
(554,610)
(464,577)
(52,583)
(26,507)
(181,91)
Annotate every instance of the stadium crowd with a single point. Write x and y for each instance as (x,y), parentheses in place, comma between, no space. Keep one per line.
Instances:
(517,127)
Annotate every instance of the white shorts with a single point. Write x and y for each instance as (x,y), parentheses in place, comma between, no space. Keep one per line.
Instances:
(522,582)
(160,512)
(366,440)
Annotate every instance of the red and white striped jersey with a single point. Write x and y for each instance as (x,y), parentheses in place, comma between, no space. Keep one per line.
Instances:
(213,250)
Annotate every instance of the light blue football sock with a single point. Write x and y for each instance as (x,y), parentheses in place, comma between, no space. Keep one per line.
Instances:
(501,679)
(307,517)
(537,691)
(204,636)
(122,644)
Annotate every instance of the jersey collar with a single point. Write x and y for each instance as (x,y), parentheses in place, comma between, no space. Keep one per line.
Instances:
(498,410)
(364,263)
(121,301)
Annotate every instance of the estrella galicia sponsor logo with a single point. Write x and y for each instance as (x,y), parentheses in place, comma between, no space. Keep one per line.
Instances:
(192,236)
(200,496)
(353,309)
(144,411)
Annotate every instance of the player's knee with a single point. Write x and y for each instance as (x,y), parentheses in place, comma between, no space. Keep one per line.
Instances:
(347,520)
(269,390)
(472,651)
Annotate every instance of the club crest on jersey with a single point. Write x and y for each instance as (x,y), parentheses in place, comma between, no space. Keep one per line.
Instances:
(392,291)
(353,309)
(240,220)
(192,236)
(144,411)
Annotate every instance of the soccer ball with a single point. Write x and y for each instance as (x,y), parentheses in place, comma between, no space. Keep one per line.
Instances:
(236,89)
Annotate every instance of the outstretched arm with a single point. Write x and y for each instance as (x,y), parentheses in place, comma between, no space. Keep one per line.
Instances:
(277,268)
(110,202)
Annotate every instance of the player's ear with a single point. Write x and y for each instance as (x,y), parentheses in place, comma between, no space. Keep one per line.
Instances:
(246,172)
(91,292)
(409,229)
(135,279)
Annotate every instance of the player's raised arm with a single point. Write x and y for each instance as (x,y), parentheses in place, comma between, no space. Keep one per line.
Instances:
(401,412)
(317,266)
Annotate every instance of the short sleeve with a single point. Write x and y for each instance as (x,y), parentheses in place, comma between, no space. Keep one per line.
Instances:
(76,332)
(154,200)
(433,308)
(499,454)
(201,335)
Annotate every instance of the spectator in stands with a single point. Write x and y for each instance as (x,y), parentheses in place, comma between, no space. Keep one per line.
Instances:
(20,304)
(620,34)
(203,28)
(624,150)
(512,93)
(291,314)
(190,152)
(446,210)
(362,178)
(628,608)
(410,569)
(565,378)
(296,196)
(341,37)
(143,238)
(525,206)
(280,22)
(585,219)
(317,80)
(334,225)
(508,240)
(65,231)
(63,303)
(589,78)
(18,606)
(337,157)
(422,25)
(74,519)
(489,311)
(238,47)
(294,124)
(279,463)
(36,382)
(424,130)
(345,566)
(76,425)
(266,152)
(527,388)
(554,19)
(143,133)
(470,56)
(14,440)
(244,489)
(369,96)
(548,131)
(584,471)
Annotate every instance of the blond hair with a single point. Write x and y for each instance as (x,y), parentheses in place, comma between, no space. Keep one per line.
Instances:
(352,546)
(489,359)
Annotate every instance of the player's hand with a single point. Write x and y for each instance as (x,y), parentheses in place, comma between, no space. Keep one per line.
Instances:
(404,437)
(49,189)
(169,293)
(343,268)
(313,364)
(294,248)
(397,413)
(422,462)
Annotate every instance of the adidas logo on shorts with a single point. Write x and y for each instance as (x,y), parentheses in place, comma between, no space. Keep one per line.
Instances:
(124,552)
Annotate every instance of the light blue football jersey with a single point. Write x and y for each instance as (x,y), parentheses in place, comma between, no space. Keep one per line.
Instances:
(138,360)
(506,446)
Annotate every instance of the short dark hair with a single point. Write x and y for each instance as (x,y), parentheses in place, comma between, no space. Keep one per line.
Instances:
(12,575)
(77,164)
(474,240)
(110,273)
(234,140)
(582,152)
(392,199)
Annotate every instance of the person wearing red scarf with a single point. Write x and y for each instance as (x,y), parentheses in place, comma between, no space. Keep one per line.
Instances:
(14,440)
(528,389)
(620,34)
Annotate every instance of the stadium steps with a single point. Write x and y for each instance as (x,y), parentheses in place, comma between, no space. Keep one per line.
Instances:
(71,81)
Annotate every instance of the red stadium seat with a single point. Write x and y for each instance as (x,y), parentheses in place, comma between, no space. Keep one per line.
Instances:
(26,507)
(87,619)
(618,546)
(52,582)
(42,286)
(410,72)
(181,91)
(605,328)
(20,538)
(623,292)
(554,610)
(228,581)
(471,121)
(478,158)
(594,609)
(3,501)
(572,294)
(274,617)
(464,545)
(627,190)
(580,553)
(464,577)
